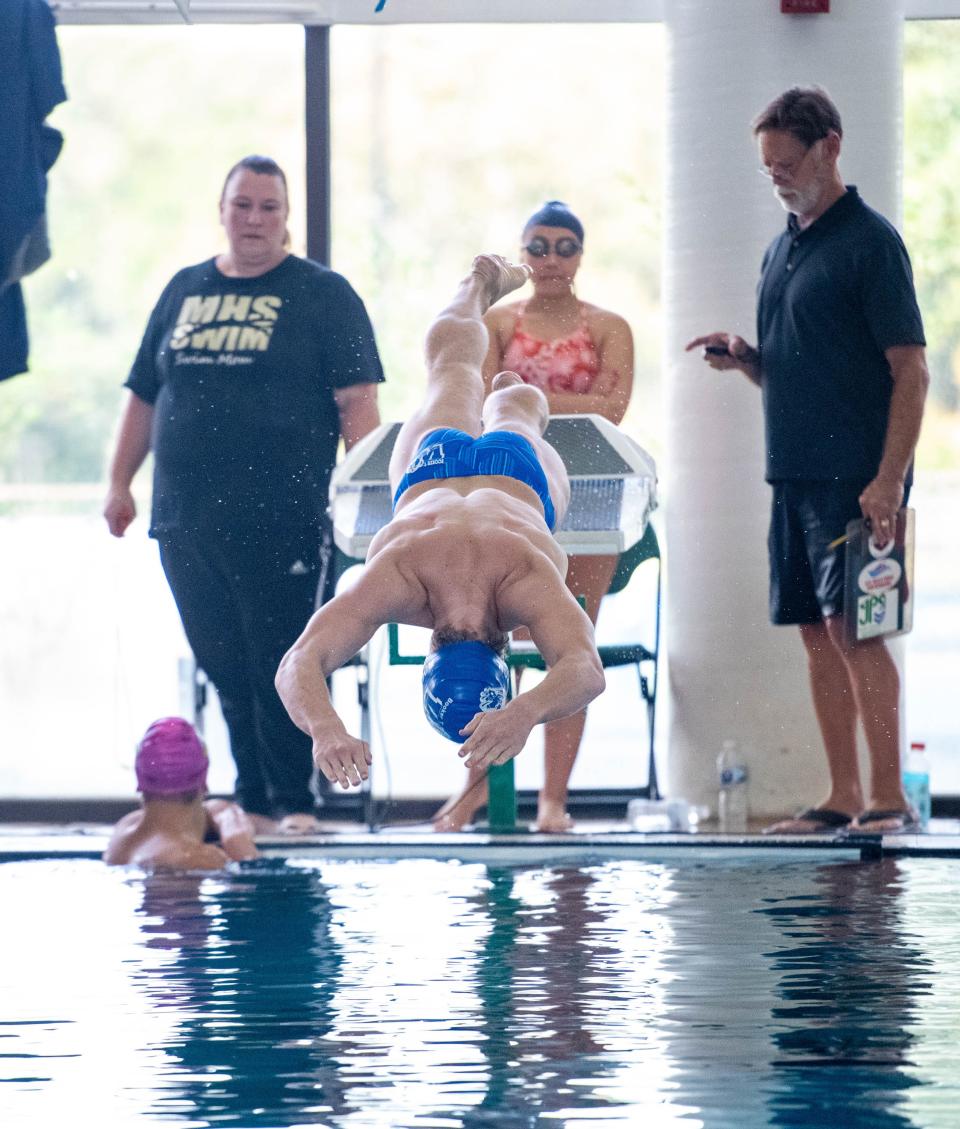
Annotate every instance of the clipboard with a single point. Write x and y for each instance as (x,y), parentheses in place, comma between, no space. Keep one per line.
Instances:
(878,580)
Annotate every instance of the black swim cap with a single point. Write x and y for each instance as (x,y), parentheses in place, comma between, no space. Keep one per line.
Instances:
(555,213)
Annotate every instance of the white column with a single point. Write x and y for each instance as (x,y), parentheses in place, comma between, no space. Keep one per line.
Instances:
(732,675)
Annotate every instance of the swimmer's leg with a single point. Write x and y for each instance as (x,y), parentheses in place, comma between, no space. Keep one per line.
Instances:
(515,406)
(522,408)
(460,809)
(588,577)
(456,346)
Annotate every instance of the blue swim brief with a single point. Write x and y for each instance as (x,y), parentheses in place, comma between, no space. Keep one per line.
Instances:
(449,453)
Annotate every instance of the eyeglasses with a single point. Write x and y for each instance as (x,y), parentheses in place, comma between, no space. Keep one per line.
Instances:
(787,170)
(565,247)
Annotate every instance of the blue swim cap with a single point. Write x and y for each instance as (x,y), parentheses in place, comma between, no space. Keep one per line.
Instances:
(460,680)
(554,213)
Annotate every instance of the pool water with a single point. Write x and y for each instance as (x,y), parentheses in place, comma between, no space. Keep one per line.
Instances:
(716,990)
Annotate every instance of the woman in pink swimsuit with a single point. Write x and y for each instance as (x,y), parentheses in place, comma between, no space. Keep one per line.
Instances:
(581,357)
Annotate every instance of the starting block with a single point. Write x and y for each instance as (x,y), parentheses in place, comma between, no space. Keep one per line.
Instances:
(613,487)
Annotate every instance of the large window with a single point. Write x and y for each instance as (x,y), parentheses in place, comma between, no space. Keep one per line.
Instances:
(90,638)
(444,139)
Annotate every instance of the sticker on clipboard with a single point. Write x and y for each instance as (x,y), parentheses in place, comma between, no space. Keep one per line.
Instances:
(878,580)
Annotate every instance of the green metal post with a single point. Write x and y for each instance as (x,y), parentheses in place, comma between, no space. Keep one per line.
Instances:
(502,801)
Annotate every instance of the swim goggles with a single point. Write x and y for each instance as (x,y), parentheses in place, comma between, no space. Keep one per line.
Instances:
(565,247)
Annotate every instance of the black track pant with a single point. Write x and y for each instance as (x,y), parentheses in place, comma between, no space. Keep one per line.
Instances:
(244,597)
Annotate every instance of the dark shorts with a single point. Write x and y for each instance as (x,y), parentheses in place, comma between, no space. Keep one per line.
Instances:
(449,453)
(806,578)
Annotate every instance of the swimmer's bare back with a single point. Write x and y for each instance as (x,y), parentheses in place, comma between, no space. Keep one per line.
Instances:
(453,551)
(135,844)
(488,521)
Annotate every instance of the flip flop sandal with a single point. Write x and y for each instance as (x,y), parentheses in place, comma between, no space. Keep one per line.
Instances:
(909,822)
(824,819)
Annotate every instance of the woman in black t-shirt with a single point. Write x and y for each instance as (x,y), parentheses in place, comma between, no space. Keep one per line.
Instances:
(252,366)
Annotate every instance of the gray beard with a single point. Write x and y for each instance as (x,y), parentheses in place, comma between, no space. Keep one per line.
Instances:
(803,203)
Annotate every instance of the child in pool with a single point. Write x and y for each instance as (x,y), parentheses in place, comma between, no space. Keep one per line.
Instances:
(172,826)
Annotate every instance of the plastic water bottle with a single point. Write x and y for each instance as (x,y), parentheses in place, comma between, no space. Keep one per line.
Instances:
(732,807)
(663,815)
(649,815)
(916,781)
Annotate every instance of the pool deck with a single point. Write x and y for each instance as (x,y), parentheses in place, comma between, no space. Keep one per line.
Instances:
(590,840)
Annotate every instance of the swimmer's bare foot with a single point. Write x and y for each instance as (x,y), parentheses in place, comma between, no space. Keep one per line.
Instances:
(535,402)
(262,824)
(499,275)
(299,823)
(460,809)
(552,818)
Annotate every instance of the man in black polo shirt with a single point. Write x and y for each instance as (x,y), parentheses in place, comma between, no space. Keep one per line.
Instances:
(840,363)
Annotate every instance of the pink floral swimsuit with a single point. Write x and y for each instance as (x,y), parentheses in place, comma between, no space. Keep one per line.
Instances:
(567,364)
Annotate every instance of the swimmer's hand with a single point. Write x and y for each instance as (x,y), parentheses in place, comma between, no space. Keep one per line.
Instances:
(234,828)
(497,736)
(342,759)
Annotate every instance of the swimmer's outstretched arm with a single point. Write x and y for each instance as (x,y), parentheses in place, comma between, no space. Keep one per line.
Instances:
(564,636)
(332,637)
(233,827)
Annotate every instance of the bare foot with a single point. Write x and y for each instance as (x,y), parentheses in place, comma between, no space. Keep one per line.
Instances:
(499,275)
(508,379)
(299,823)
(460,809)
(262,824)
(505,380)
(552,818)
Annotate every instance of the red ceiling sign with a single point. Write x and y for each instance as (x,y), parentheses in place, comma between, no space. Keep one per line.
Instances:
(804,7)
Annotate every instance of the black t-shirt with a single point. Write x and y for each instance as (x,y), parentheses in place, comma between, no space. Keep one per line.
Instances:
(831,299)
(241,373)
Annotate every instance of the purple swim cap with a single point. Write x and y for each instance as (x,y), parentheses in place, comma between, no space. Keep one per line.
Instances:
(171,758)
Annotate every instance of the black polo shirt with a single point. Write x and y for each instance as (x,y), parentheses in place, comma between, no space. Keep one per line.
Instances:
(830,300)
